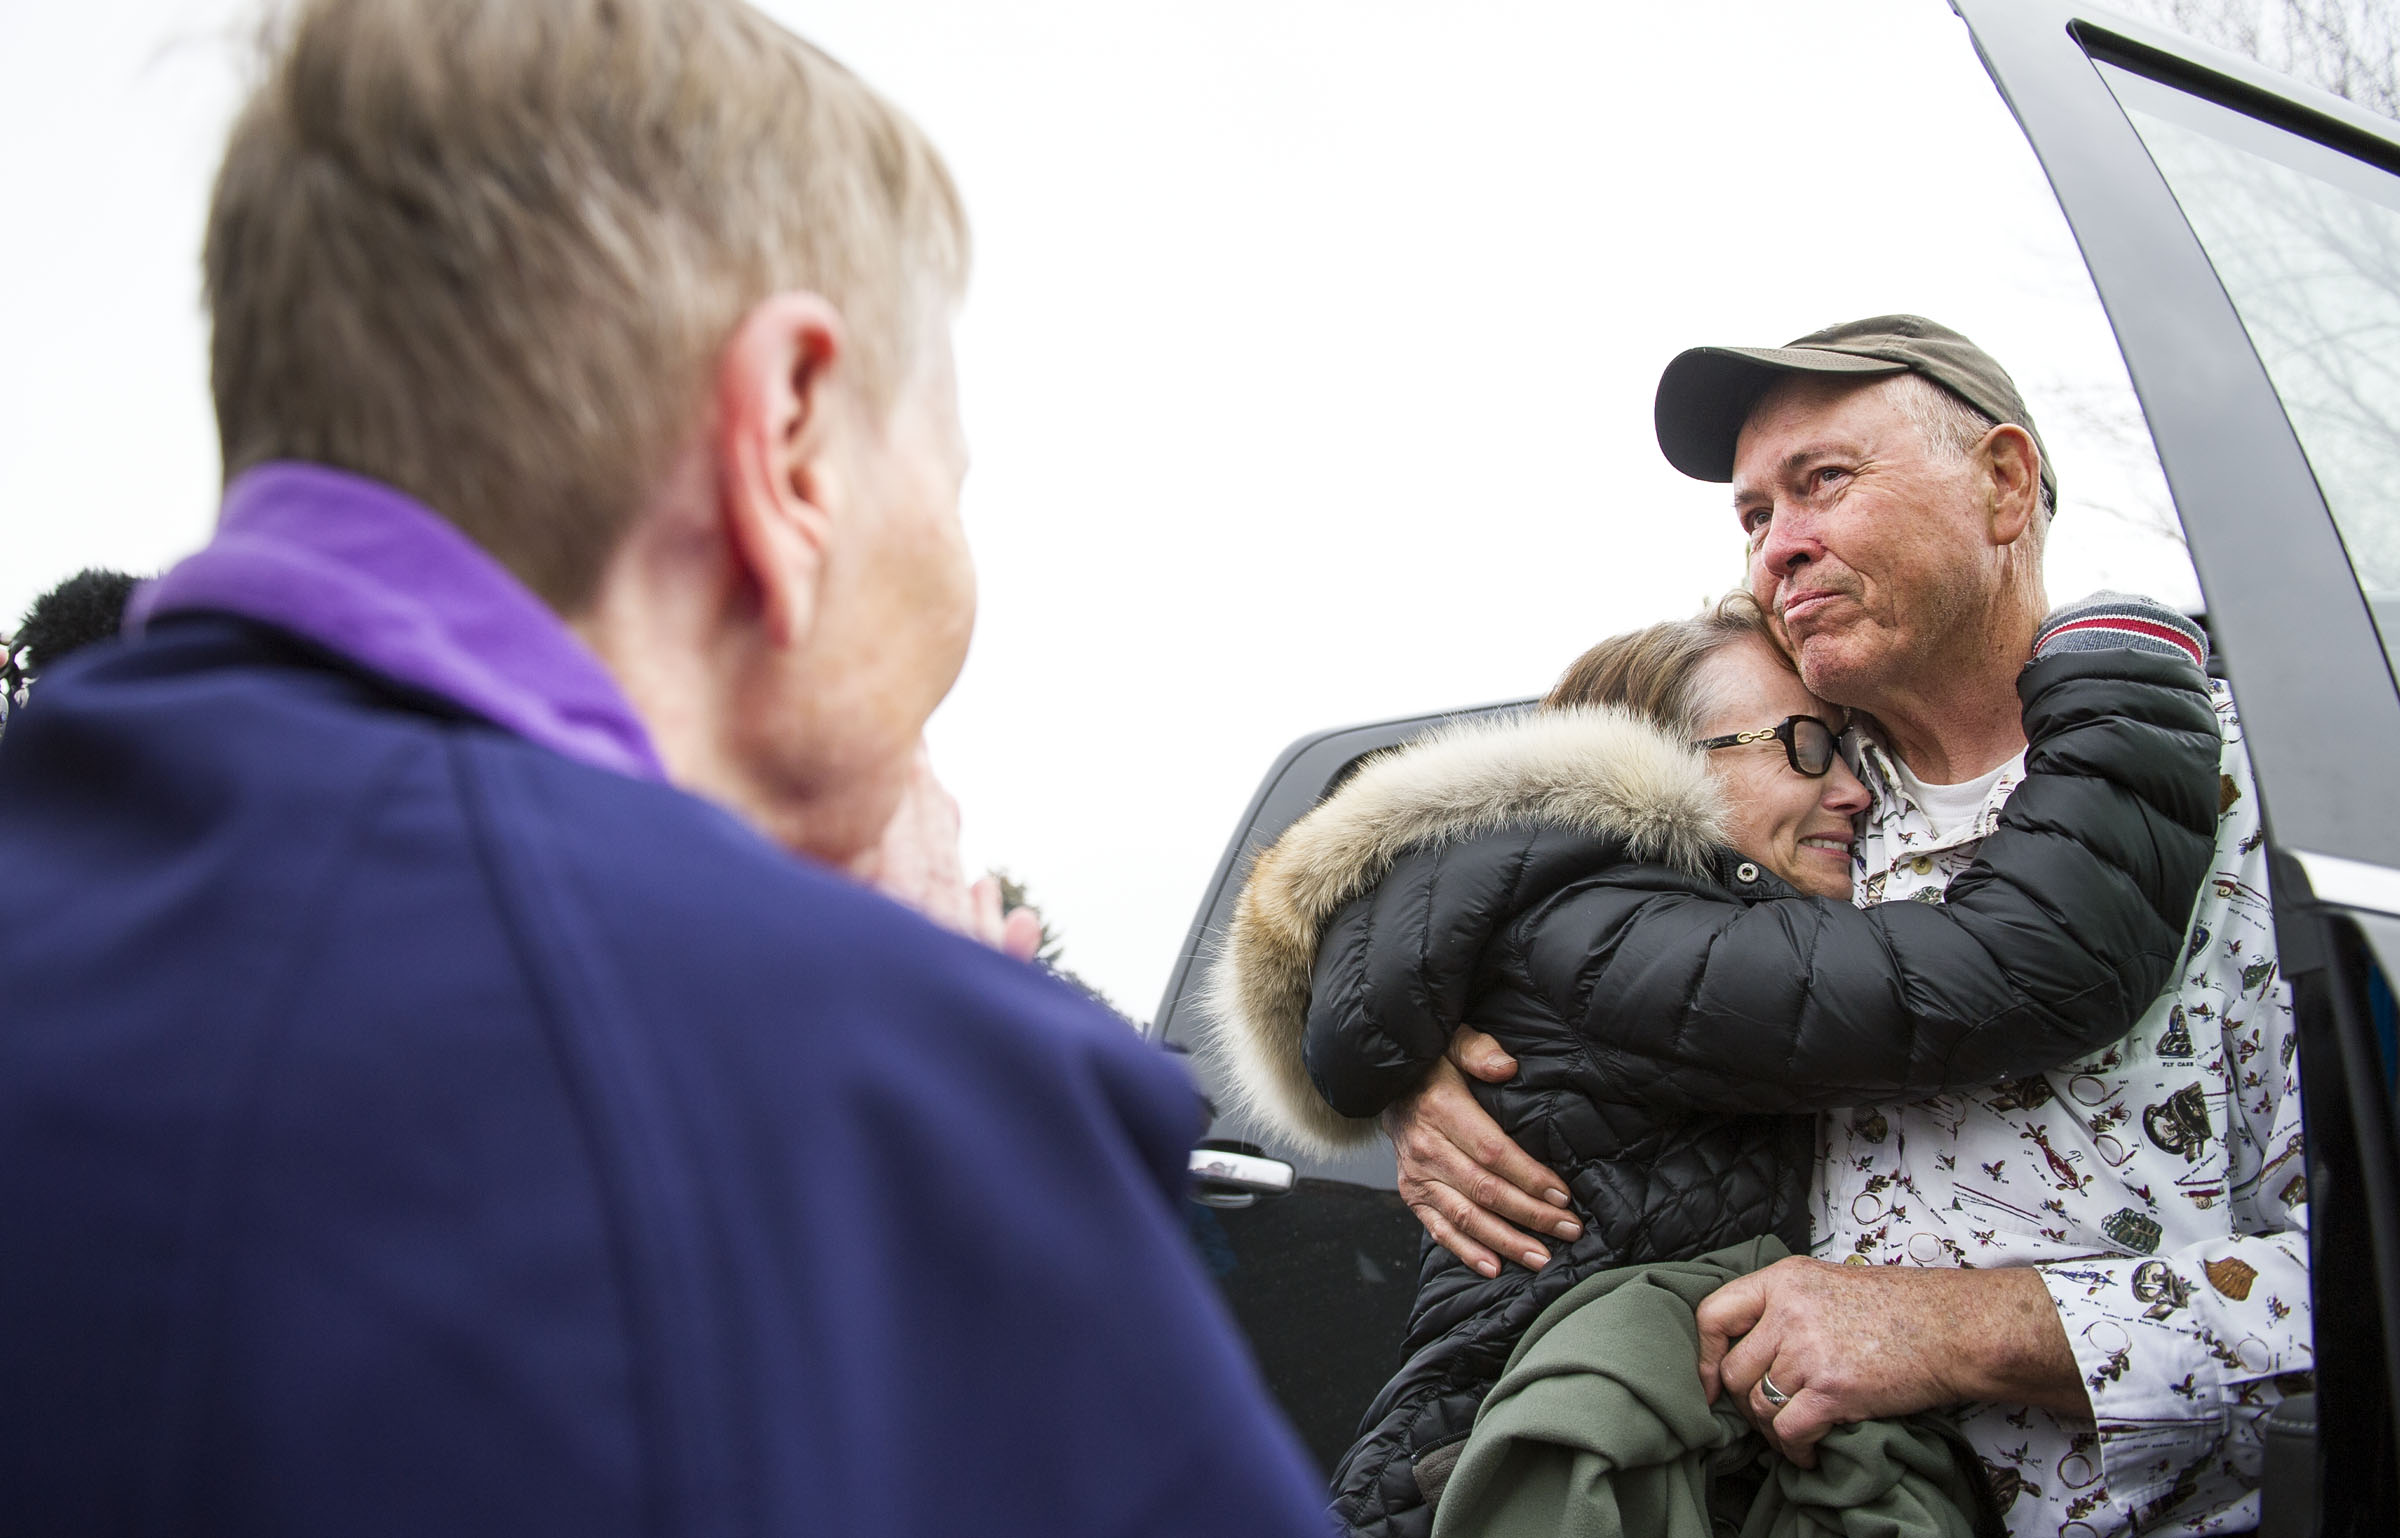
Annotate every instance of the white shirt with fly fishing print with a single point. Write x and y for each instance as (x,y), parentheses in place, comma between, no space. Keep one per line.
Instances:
(2158,1184)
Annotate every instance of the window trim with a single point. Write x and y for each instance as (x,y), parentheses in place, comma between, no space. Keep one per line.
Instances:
(2305,661)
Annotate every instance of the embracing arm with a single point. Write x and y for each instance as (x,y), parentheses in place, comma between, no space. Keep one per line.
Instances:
(1434,1126)
(2050,946)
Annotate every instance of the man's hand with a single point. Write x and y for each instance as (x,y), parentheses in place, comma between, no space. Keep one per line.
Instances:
(1853,1343)
(917,863)
(1462,1177)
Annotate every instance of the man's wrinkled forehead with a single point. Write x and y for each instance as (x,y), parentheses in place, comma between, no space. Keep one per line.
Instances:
(1806,417)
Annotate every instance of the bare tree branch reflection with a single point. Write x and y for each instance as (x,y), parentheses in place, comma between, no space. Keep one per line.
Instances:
(2318,273)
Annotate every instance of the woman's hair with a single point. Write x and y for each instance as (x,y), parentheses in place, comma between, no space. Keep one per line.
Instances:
(1655,672)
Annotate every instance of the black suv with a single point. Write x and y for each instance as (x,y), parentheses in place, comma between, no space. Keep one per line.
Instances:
(2244,236)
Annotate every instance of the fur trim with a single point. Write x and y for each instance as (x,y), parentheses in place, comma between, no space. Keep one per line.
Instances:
(1598,770)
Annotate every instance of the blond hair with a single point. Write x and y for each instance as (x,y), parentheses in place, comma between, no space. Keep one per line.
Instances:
(1656,671)
(487,251)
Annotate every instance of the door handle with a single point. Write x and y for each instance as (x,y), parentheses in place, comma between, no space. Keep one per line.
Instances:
(1237,1174)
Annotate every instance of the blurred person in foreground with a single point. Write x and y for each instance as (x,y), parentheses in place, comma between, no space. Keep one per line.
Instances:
(434,1098)
(2103,1266)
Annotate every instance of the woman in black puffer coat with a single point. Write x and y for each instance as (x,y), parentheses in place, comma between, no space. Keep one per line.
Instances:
(1633,919)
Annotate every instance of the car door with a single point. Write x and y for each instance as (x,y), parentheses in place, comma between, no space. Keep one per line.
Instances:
(2243,233)
(1319,1275)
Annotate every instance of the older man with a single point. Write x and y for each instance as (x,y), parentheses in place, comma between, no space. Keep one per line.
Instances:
(432,1099)
(2105,1264)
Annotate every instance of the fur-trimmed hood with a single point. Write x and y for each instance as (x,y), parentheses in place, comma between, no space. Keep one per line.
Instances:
(1596,770)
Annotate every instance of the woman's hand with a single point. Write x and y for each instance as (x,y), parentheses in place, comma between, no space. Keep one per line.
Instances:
(1474,1190)
(917,863)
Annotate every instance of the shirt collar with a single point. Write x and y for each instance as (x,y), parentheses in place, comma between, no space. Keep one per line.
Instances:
(1868,758)
(1895,824)
(386,583)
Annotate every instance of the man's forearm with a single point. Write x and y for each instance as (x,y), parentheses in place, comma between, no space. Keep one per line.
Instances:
(2017,1346)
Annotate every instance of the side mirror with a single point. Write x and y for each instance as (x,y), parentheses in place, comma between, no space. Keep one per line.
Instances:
(1227,1174)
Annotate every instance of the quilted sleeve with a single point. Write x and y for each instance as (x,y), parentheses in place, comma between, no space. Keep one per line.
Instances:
(1399,966)
(2050,946)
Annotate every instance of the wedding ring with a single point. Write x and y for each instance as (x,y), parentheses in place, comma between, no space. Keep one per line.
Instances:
(1774,1396)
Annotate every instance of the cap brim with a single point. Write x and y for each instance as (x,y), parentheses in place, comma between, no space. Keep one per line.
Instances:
(1706,394)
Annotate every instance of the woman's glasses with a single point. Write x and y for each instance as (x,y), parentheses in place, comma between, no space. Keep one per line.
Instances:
(1807,743)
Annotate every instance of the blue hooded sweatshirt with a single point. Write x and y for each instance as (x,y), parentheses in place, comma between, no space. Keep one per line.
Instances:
(410,1124)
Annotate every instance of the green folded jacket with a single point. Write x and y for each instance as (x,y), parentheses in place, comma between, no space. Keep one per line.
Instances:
(1598,1429)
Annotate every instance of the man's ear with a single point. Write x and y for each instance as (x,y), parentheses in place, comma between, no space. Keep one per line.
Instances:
(779,394)
(2014,465)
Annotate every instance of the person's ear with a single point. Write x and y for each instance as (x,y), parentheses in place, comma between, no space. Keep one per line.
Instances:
(779,397)
(2014,466)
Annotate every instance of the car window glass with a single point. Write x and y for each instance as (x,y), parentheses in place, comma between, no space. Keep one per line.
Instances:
(2306,240)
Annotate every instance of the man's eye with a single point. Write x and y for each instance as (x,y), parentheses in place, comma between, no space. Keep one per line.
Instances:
(1754,520)
(1826,475)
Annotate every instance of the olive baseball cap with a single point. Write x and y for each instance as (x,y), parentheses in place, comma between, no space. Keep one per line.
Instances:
(1706,394)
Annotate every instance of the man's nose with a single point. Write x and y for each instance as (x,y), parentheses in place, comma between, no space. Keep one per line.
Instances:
(1790,543)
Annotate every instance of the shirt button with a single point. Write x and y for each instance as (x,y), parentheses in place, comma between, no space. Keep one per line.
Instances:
(1922,865)
(1745,871)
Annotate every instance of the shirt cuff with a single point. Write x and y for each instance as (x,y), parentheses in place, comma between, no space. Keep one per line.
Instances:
(2175,1349)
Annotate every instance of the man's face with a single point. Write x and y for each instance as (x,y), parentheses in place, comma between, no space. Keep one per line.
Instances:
(1867,545)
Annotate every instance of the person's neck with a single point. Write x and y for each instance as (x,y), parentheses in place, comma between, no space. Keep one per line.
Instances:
(698,727)
(659,624)
(1946,742)
(1958,717)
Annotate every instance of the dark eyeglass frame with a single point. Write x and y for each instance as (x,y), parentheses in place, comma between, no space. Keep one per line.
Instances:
(1787,732)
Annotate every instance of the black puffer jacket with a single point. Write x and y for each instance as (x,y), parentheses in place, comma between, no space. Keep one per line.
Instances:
(1559,881)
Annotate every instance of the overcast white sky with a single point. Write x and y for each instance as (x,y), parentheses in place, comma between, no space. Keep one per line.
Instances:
(1308,360)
